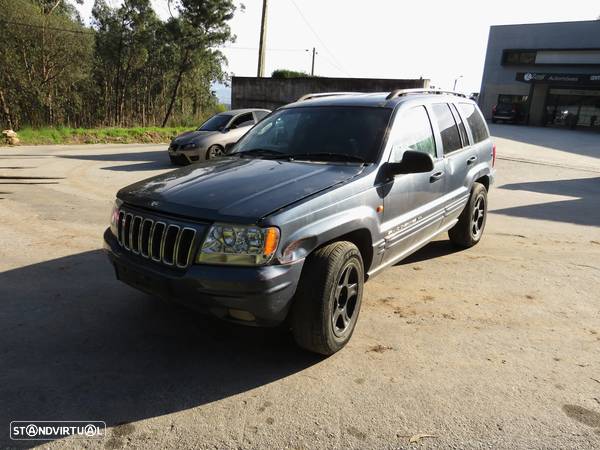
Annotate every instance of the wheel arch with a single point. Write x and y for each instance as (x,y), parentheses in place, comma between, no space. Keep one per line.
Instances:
(485,180)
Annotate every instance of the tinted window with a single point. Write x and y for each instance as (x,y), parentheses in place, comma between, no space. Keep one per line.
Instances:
(320,131)
(447,126)
(475,121)
(243,120)
(461,126)
(215,123)
(260,114)
(414,133)
(518,57)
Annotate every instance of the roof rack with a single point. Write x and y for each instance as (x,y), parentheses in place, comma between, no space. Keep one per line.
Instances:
(324,94)
(401,92)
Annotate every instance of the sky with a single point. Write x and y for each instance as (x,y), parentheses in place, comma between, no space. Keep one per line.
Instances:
(438,40)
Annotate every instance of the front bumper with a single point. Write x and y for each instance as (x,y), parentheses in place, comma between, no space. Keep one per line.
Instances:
(185,156)
(266,292)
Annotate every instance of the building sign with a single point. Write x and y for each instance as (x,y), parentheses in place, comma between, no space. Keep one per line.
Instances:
(576,92)
(570,78)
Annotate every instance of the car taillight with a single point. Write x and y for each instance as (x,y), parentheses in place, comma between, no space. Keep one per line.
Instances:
(493,155)
(494,109)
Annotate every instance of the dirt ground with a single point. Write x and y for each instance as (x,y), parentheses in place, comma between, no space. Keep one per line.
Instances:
(493,347)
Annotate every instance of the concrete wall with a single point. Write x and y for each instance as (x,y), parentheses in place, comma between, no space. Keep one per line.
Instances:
(500,79)
(271,93)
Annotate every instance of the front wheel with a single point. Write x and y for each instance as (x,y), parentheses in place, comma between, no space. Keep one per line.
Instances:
(469,229)
(328,298)
(214,151)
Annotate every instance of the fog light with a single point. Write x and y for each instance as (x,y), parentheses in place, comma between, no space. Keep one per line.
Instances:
(238,314)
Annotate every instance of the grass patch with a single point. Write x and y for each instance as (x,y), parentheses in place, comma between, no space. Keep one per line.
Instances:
(63,135)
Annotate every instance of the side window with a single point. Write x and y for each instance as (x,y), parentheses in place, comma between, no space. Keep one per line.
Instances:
(243,120)
(475,121)
(414,133)
(447,126)
(259,115)
(461,126)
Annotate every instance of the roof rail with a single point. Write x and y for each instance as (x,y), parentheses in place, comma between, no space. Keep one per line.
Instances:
(401,92)
(324,94)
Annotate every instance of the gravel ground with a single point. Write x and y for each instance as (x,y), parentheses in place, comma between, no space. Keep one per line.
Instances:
(492,347)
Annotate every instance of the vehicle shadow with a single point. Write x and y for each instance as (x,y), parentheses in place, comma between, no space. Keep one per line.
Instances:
(75,344)
(434,249)
(580,142)
(581,210)
(141,161)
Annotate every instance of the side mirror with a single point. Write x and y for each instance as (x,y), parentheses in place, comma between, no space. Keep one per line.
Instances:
(412,162)
(228,148)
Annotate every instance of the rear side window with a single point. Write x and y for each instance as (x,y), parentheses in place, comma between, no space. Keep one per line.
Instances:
(414,133)
(461,126)
(447,126)
(260,114)
(475,121)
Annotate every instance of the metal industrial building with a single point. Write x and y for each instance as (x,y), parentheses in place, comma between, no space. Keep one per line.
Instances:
(550,71)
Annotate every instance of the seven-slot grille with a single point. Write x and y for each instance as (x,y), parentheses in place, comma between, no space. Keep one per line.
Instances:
(158,240)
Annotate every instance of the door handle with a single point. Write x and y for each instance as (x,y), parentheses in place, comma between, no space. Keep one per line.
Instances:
(471,160)
(436,176)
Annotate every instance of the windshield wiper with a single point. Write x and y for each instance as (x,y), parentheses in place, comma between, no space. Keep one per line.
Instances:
(327,156)
(263,152)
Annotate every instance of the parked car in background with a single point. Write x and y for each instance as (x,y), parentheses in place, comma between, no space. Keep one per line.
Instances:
(315,199)
(210,139)
(508,112)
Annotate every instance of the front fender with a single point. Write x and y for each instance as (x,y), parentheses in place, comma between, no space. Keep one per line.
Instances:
(314,234)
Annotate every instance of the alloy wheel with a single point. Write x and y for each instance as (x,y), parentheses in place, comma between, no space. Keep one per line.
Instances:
(345,299)
(478,217)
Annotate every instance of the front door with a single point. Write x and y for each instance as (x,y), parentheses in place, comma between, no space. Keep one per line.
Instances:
(412,202)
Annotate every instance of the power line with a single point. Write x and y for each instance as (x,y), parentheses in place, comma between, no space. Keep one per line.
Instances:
(30,25)
(268,49)
(337,64)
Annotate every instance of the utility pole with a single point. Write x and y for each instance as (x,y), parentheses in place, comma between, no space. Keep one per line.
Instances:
(263,41)
(456,81)
(312,68)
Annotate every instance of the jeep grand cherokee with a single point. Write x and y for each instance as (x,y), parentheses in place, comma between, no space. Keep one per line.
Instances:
(315,199)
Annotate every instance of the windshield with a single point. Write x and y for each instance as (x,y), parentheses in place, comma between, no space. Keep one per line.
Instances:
(215,123)
(319,133)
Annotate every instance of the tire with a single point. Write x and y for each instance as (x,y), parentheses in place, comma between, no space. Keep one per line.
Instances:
(469,229)
(214,151)
(328,298)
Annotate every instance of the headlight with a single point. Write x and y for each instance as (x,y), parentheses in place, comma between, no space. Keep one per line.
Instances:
(114,217)
(238,244)
(189,146)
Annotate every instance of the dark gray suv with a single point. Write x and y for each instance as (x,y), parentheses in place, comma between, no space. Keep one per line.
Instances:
(318,197)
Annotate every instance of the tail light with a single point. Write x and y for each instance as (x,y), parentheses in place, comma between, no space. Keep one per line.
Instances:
(494,109)
(493,155)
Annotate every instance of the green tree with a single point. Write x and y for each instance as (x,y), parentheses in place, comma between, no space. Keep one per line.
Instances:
(45,58)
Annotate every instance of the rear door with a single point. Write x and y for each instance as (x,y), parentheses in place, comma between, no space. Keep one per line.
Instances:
(412,211)
(458,158)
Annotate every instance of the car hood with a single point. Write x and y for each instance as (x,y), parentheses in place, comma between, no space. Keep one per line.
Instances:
(192,136)
(234,189)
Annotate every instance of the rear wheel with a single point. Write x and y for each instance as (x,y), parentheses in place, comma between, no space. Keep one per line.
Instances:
(214,151)
(469,229)
(328,298)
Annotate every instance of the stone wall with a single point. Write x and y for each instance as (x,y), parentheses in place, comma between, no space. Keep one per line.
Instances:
(271,93)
